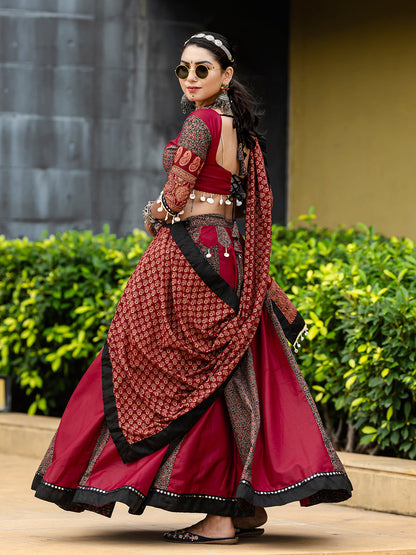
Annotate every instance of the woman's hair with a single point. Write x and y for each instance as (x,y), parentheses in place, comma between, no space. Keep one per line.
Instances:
(242,101)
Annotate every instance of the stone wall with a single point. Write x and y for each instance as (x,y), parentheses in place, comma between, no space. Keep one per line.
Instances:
(88,99)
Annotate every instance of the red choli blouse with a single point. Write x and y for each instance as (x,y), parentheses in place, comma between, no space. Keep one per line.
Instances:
(190,160)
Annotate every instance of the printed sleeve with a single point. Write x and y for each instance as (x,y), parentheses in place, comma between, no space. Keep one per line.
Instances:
(191,153)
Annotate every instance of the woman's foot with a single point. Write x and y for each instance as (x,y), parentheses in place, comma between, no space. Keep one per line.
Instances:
(212,527)
(246,522)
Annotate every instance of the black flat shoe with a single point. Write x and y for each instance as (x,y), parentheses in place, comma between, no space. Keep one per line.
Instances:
(183,536)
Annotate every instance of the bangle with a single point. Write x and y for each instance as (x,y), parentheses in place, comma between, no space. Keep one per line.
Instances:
(147,214)
(148,217)
(176,216)
(166,206)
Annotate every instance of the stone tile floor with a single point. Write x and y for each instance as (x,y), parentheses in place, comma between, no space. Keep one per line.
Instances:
(32,526)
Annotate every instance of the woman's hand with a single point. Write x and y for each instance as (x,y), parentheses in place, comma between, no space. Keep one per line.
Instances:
(150,229)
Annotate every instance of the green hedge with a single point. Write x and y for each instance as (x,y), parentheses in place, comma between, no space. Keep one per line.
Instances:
(355,288)
(357,291)
(57,297)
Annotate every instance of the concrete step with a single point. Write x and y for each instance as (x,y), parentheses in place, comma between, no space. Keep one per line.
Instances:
(380,483)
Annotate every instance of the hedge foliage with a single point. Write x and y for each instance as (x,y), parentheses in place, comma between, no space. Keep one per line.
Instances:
(357,292)
(57,297)
(355,288)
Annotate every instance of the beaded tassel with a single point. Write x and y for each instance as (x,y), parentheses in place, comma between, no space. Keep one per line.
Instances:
(297,344)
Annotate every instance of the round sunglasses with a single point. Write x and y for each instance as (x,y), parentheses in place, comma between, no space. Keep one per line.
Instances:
(201,71)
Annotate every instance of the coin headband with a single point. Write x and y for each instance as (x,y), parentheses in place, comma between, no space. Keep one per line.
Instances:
(217,42)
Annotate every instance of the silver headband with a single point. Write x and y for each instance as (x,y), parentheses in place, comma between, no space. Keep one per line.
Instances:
(211,38)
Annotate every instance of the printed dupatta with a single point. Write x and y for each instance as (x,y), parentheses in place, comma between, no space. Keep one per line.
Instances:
(179,329)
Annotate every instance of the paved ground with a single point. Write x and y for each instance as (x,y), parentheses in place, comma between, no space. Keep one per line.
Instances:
(29,525)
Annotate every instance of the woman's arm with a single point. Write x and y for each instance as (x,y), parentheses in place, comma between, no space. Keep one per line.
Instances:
(193,144)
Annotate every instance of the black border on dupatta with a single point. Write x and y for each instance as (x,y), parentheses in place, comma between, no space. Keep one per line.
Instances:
(179,427)
(130,452)
(202,267)
(291,330)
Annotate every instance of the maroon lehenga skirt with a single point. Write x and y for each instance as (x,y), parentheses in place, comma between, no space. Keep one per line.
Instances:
(261,442)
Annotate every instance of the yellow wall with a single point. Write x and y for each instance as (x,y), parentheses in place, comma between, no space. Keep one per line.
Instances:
(352,130)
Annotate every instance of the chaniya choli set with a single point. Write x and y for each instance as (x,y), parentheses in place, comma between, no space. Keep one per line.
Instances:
(195,402)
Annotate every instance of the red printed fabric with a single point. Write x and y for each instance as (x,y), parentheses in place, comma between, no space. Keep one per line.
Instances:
(173,341)
(182,178)
(198,348)
(280,299)
(192,147)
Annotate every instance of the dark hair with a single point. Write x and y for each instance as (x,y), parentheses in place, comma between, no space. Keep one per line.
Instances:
(243,104)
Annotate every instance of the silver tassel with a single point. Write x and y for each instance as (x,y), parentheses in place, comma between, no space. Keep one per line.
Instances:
(297,344)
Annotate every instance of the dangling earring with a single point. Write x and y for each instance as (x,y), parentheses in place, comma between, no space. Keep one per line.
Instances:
(187,105)
(223,100)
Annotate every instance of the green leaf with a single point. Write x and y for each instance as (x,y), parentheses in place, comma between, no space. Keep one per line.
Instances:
(407,410)
(368,430)
(366,439)
(32,408)
(350,381)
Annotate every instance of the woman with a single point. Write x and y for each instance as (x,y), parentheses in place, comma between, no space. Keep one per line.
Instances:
(196,402)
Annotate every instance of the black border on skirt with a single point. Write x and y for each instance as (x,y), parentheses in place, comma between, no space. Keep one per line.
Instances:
(330,487)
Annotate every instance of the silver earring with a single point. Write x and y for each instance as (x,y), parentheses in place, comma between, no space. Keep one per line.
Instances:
(224,104)
(186,105)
